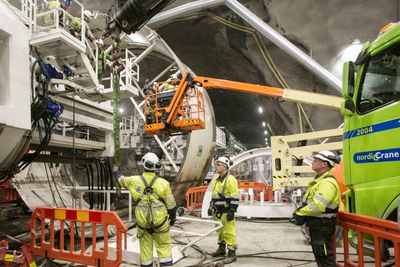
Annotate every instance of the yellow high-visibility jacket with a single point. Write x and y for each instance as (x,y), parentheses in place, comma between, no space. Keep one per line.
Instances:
(322,198)
(151,209)
(225,194)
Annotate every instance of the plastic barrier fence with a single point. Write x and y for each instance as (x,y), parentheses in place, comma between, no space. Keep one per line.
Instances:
(257,189)
(364,226)
(70,224)
(194,196)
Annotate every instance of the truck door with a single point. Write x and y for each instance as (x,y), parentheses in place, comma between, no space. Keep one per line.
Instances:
(374,135)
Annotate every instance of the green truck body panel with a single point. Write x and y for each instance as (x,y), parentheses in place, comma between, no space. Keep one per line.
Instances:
(371,140)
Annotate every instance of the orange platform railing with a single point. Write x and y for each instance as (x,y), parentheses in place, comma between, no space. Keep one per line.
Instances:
(70,223)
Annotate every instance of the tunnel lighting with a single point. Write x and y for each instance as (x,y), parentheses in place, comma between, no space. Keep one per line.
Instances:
(265,132)
(264,124)
(266,139)
(347,53)
(121,110)
(260,110)
(269,128)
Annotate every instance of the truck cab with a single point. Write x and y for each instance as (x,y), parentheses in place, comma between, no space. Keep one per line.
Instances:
(371,138)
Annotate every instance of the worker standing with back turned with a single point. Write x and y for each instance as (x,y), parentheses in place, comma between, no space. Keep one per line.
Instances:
(319,208)
(224,204)
(155,204)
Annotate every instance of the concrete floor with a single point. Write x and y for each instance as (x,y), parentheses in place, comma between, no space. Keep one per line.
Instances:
(274,238)
(277,242)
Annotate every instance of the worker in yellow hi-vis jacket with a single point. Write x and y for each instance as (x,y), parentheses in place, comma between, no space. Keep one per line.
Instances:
(320,206)
(224,204)
(155,210)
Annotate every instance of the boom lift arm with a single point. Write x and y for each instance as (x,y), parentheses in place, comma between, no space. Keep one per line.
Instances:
(180,110)
(291,95)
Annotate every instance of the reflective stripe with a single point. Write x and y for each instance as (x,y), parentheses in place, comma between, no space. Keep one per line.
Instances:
(224,186)
(171,206)
(147,263)
(165,259)
(326,215)
(145,208)
(325,202)
(219,202)
(157,204)
(171,198)
(235,202)
(314,209)
(231,247)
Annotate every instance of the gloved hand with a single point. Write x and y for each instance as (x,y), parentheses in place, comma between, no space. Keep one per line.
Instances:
(230,215)
(116,174)
(297,220)
(172,216)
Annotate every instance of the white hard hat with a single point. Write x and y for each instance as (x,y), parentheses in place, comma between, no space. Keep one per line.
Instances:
(99,41)
(326,156)
(88,14)
(225,161)
(151,162)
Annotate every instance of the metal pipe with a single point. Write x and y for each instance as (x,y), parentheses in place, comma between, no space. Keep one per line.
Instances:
(284,44)
(201,236)
(179,11)
(258,24)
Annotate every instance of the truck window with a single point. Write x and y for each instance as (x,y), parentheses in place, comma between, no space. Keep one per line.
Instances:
(381,83)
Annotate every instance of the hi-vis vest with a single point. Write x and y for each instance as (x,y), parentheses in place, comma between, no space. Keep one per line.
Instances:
(225,194)
(322,198)
(153,198)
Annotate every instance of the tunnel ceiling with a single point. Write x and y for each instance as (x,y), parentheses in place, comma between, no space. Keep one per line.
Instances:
(322,29)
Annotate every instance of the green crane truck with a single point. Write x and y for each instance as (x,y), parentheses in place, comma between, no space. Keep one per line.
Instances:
(371,139)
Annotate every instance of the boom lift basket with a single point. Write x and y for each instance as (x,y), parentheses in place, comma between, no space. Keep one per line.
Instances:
(191,111)
(178,110)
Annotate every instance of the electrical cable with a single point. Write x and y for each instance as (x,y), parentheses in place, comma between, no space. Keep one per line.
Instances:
(50,188)
(264,51)
(103,183)
(255,255)
(58,191)
(196,247)
(40,116)
(73,150)
(88,179)
(99,194)
(91,175)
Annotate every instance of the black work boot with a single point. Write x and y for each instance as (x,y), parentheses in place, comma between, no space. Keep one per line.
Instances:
(231,257)
(221,251)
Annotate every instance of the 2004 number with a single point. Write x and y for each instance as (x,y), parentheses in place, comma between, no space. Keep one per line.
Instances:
(365,130)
